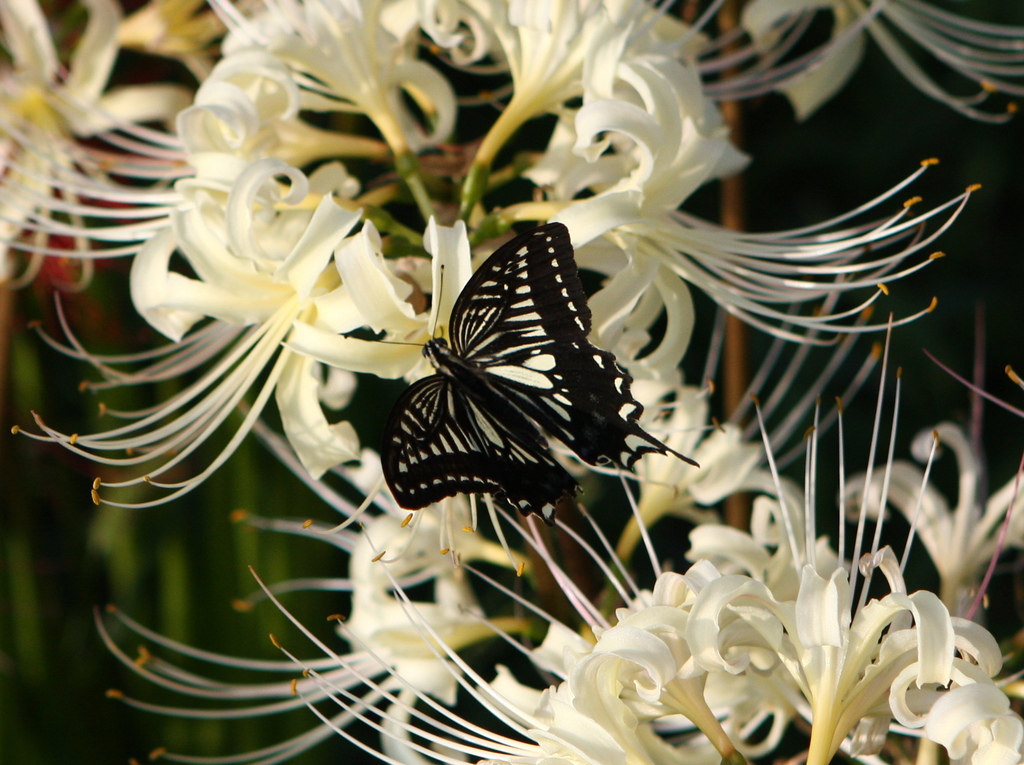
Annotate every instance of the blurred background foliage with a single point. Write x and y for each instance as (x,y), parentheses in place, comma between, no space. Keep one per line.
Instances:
(178,568)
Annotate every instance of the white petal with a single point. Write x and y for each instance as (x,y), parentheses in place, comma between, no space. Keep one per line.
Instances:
(148,286)
(94,55)
(381,359)
(378,294)
(327,228)
(813,87)
(27,35)
(451,267)
(144,103)
(588,219)
(319,445)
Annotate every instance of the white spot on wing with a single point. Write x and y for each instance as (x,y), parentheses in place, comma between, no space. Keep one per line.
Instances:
(522,375)
(544,362)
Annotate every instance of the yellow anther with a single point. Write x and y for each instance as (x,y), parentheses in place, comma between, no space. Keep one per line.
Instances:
(899,372)
(157,753)
(883,288)
(407,520)
(241,604)
(378,556)
(295,686)
(15,430)
(933,305)
(911,202)
(521,568)
(929,162)
(102,409)
(936,255)
(95,497)
(97,482)
(114,693)
(83,386)
(445,550)
(988,87)
(973,187)
(468,529)
(238,515)
(335,618)
(73,439)
(1012,107)
(1012,375)
(274,641)
(307,523)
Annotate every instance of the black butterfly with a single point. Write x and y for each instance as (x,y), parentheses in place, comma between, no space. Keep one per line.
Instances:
(519,358)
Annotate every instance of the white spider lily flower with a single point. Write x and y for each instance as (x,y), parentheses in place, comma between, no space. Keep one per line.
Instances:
(960,539)
(347,60)
(760,277)
(846,665)
(382,653)
(641,149)
(379,299)
(976,725)
(670,487)
(545,46)
(601,711)
(260,261)
(772,619)
(183,29)
(988,56)
(61,195)
(559,51)
(247,109)
(620,167)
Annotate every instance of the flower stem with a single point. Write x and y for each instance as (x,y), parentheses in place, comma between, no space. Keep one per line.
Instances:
(409,168)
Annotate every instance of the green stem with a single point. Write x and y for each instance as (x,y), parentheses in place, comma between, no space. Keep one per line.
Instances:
(409,168)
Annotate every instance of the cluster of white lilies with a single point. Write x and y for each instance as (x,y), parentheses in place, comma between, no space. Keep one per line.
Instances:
(301,212)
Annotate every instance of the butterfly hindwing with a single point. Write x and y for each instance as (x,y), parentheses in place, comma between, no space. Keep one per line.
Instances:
(439,442)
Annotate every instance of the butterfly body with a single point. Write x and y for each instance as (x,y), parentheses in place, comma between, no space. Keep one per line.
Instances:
(519,360)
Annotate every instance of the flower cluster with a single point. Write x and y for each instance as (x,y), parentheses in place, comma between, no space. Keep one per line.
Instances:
(299,199)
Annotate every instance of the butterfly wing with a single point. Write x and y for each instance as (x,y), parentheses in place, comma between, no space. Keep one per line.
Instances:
(522,321)
(439,442)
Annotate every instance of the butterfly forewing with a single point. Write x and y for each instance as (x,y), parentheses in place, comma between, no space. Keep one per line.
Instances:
(530,338)
(526,295)
(439,441)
